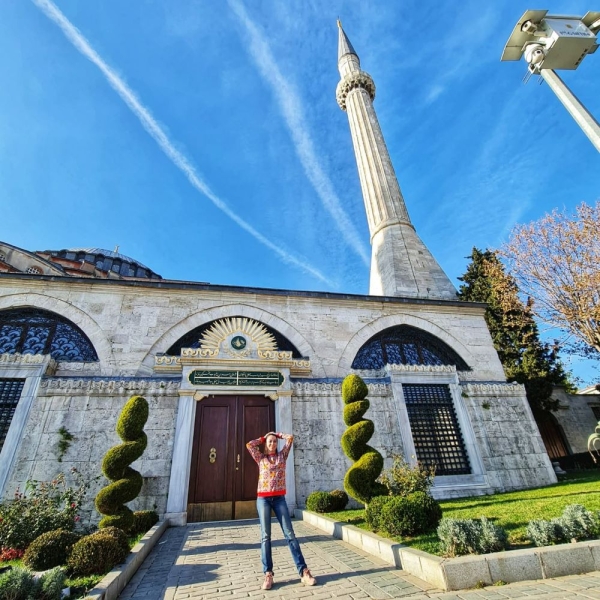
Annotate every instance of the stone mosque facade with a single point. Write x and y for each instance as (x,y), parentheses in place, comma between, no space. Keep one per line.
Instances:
(82,330)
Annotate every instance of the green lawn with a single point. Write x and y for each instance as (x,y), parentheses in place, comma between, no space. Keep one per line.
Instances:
(510,510)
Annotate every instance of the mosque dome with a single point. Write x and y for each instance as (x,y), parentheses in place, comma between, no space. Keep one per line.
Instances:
(106,260)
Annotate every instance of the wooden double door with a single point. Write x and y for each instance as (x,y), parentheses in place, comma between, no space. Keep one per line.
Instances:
(223,475)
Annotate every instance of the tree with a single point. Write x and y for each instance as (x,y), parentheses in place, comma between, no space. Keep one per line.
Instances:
(525,358)
(556,261)
(127,482)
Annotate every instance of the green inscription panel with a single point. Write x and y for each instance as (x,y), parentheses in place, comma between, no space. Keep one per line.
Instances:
(245,378)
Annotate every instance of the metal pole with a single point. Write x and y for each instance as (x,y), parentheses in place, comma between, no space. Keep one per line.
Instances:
(584,119)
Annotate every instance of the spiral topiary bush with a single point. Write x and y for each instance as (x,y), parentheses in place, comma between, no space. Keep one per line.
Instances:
(360,478)
(127,482)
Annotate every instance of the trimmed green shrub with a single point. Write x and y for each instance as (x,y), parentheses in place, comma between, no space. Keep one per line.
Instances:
(373,511)
(409,515)
(575,523)
(469,536)
(127,482)
(95,554)
(353,389)
(51,584)
(360,480)
(326,502)
(545,533)
(16,584)
(50,549)
(578,523)
(119,536)
(144,520)
(318,502)
(339,500)
(492,538)
(403,479)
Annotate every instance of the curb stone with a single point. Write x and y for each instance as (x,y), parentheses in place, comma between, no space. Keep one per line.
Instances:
(113,583)
(465,572)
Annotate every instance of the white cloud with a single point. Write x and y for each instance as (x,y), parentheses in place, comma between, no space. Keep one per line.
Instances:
(291,108)
(157,133)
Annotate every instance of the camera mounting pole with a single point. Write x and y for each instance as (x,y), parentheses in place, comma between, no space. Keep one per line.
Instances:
(550,42)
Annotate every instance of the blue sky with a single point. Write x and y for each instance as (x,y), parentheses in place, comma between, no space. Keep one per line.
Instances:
(204,139)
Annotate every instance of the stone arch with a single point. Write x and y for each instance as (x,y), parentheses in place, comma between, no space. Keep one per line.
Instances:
(77,316)
(219,312)
(379,325)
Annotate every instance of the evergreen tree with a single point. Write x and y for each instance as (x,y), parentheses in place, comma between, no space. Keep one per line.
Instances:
(525,358)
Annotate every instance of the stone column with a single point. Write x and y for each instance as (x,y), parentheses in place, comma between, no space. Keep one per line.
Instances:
(180,467)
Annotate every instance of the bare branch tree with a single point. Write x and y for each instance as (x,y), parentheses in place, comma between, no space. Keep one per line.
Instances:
(556,261)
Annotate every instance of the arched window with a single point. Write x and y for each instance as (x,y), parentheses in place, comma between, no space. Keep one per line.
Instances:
(192,340)
(406,345)
(36,331)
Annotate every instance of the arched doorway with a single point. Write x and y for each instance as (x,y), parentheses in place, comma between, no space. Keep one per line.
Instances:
(235,387)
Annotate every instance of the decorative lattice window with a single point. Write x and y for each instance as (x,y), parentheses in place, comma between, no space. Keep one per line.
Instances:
(2,257)
(192,340)
(406,345)
(36,331)
(435,429)
(10,392)
(33,271)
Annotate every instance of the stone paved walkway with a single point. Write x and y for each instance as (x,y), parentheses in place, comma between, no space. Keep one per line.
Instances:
(222,560)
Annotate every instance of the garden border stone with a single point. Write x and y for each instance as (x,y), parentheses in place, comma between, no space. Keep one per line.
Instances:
(464,572)
(113,583)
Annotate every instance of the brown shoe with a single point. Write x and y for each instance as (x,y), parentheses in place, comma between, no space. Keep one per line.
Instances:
(307,578)
(268,582)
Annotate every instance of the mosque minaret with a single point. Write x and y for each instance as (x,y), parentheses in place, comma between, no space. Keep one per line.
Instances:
(401,264)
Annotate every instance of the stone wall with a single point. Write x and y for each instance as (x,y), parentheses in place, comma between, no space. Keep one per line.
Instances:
(576,417)
(508,439)
(317,412)
(88,410)
(128,325)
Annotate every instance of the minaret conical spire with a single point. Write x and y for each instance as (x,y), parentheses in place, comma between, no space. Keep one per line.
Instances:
(401,264)
(344,45)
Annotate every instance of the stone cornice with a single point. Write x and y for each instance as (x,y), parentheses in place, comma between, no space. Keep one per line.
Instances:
(29,361)
(493,389)
(113,387)
(421,368)
(329,388)
(207,357)
(352,81)
(23,359)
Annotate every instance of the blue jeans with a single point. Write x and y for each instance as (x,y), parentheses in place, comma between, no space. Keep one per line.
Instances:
(264,506)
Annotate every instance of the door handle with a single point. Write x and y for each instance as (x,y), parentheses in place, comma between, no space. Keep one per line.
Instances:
(212,455)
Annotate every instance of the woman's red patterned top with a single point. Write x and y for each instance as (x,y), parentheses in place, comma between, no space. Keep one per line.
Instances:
(271,467)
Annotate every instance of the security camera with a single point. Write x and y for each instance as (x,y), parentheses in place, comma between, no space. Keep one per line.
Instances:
(534,54)
(529,27)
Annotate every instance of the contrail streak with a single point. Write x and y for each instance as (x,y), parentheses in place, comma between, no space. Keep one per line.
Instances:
(150,124)
(291,107)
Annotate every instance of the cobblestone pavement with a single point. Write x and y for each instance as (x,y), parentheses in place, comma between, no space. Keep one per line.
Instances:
(222,560)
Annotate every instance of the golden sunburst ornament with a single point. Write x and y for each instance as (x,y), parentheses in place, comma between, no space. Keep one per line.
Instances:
(235,333)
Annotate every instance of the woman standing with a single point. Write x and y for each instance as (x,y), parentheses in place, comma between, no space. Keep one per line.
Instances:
(271,496)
